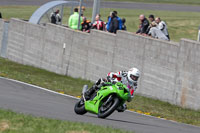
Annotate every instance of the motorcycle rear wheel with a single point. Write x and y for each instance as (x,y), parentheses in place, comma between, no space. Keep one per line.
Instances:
(79,107)
(112,106)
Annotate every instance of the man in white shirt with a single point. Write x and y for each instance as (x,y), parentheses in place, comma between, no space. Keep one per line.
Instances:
(162,26)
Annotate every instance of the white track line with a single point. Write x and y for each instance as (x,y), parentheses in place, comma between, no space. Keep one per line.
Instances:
(39,87)
(79,98)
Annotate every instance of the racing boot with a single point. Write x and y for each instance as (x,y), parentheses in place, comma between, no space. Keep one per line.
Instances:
(122,108)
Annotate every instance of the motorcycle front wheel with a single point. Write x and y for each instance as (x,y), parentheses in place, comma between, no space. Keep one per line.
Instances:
(79,107)
(109,108)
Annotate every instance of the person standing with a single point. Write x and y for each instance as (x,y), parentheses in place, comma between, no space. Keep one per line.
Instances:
(162,26)
(73,20)
(114,24)
(119,20)
(144,24)
(98,23)
(55,17)
(86,25)
(123,24)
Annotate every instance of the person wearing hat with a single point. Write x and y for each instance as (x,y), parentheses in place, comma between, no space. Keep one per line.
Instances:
(157,33)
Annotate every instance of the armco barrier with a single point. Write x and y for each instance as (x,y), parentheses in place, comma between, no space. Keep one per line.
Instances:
(170,71)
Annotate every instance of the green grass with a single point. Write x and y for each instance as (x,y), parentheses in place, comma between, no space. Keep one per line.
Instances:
(187,2)
(73,87)
(180,24)
(11,122)
(42,78)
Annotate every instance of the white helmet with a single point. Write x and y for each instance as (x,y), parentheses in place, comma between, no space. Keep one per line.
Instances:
(133,75)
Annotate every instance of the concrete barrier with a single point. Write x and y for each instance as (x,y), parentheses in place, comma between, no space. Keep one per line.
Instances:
(170,71)
(78,55)
(100,54)
(188,74)
(1,33)
(16,40)
(155,58)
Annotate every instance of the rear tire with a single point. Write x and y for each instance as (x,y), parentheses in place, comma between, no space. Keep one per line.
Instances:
(114,104)
(79,107)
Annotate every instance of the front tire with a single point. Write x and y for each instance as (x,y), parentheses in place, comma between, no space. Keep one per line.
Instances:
(79,107)
(114,103)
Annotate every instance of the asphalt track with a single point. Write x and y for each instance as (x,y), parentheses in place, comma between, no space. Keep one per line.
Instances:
(28,99)
(127,5)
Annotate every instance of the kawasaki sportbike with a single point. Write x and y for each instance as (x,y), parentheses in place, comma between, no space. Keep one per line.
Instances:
(105,101)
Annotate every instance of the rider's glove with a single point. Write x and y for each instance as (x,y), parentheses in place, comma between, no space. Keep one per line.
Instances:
(100,81)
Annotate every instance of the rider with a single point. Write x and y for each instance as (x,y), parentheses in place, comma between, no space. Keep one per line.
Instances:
(128,78)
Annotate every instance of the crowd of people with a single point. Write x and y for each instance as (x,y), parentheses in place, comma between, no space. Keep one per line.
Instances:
(153,27)
(113,23)
(156,28)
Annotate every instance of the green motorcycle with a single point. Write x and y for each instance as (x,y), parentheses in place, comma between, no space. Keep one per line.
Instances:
(105,101)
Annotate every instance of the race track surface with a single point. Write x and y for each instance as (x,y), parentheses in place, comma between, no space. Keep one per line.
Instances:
(127,5)
(28,99)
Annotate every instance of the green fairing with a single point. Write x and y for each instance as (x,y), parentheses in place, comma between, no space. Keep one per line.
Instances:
(118,89)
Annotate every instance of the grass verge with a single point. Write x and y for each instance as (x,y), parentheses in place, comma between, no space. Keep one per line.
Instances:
(73,87)
(180,24)
(11,122)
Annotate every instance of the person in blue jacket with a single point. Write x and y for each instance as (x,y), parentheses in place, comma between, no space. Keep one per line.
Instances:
(119,21)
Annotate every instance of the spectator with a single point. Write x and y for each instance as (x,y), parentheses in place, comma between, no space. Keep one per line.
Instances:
(114,24)
(162,26)
(86,25)
(109,20)
(151,19)
(0,15)
(144,24)
(157,33)
(98,23)
(55,17)
(73,20)
(119,20)
(123,24)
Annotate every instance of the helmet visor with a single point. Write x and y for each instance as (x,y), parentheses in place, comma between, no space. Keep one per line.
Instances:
(134,78)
